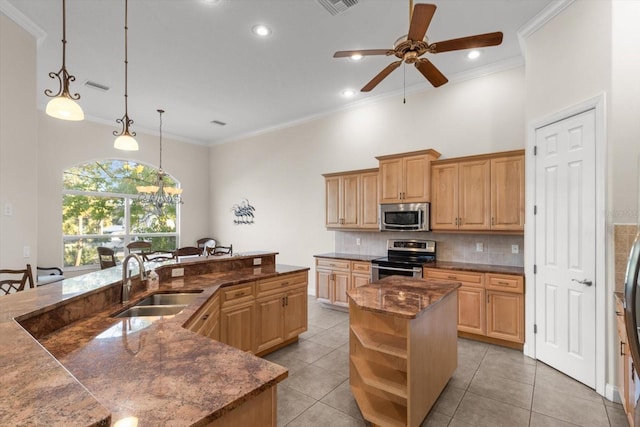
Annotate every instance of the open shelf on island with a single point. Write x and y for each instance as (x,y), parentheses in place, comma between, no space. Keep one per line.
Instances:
(380,411)
(379,341)
(381,377)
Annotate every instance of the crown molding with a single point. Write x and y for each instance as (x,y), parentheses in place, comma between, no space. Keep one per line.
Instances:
(540,20)
(23,21)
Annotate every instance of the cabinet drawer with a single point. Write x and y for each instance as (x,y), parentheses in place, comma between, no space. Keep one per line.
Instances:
(466,277)
(237,294)
(280,283)
(362,267)
(334,264)
(505,283)
(197,322)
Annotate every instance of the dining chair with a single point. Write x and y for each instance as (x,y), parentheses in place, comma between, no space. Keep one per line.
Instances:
(17,284)
(158,256)
(107,257)
(46,275)
(205,243)
(188,251)
(139,247)
(220,250)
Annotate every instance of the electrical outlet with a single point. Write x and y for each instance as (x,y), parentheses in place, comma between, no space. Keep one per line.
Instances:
(479,247)
(515,249)
(8,209)
(177,272)
(257,261)
(358,241)
(26,252)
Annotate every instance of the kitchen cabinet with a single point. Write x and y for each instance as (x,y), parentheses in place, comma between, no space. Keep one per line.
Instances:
(206,320)
(478,193)
(626,381)
(351,199)
(490,305)
(281,310)
(334,277)
(404,178)
(236,326)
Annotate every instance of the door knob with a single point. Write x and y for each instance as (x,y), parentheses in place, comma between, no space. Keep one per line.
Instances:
(583,281)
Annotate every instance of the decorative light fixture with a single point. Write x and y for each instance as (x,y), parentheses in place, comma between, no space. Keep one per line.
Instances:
(63,105)
(125,140)
(159,195)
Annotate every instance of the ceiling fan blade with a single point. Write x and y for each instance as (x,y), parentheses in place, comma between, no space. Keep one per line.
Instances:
(363,52)
(479,40)
(420,20)
(381,75)
(435,77)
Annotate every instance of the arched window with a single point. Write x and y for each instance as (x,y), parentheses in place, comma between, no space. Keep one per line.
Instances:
(100,207)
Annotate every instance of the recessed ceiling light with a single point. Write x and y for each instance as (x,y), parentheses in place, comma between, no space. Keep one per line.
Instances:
(261,30)
(356,57)
(210,2)
(348,93)
(473,54)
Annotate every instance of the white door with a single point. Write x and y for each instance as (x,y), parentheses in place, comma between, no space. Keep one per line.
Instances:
(565,225)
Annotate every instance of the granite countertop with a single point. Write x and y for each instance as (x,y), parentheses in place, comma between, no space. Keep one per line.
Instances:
(100,369)
(401,296)
(351,257)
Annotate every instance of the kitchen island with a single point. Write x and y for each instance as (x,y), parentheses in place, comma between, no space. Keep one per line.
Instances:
(65,360)
(402,347)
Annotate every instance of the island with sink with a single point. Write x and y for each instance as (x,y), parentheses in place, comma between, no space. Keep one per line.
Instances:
(72,353)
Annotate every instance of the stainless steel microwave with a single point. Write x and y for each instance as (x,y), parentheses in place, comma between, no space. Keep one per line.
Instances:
(404,217)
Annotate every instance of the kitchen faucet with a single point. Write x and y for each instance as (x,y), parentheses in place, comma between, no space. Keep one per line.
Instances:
(126,282)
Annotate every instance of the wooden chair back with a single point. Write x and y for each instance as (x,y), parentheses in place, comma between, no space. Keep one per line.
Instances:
(15,284)
(139,246)
(188,251)
(220,250)
(107,257)
(205,241)
(159,256)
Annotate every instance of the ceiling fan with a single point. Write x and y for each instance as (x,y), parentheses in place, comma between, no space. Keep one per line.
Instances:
(411,47)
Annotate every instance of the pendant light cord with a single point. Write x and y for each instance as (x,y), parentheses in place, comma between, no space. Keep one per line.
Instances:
(126,62)
(64,34)
(160,111)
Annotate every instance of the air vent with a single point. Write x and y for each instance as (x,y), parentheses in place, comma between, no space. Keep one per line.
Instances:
(335,7)
(218,122)
(97,86)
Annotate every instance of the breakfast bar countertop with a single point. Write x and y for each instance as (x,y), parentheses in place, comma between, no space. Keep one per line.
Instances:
(100,370)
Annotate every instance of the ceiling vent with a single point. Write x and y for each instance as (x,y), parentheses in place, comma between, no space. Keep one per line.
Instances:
(96,86)
(337,6)
(218,122)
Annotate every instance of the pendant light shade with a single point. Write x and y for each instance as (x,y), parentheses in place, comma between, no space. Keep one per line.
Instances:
(125,140)
(63,105)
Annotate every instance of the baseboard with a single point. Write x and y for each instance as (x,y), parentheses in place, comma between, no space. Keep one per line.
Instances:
(612,393)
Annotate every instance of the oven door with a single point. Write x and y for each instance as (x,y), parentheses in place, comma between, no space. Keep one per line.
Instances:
(380,272)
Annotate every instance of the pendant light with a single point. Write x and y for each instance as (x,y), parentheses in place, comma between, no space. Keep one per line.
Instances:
(158,195)
(125,140)
(63,105)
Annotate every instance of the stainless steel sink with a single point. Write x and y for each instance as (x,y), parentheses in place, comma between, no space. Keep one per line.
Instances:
(152,310)
(160,305)
(183,298)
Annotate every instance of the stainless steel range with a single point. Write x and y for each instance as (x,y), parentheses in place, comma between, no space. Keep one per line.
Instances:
(404,258)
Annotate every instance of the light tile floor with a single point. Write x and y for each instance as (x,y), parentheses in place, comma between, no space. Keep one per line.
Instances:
(493,386)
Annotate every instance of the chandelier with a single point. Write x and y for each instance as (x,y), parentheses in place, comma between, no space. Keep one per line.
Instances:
(158,195)
(63,104)
(125,140)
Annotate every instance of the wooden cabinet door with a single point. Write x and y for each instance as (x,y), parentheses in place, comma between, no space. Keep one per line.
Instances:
(360,280)
(340,287)
(507,193)
(295,312)
(415,179)
(323,285)
(471,310)
(236,326)
(349,201)
(505,316)
(369,200)
(332,202)
(444,197)
(390,183)
(269,323)
(474,195)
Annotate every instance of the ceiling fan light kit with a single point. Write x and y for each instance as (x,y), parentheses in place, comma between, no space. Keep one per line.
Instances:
(410,48)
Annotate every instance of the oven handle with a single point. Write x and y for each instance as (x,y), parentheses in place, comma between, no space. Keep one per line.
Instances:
(379,267)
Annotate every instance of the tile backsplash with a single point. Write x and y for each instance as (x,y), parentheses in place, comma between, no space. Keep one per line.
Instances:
(452,247)
(623,235)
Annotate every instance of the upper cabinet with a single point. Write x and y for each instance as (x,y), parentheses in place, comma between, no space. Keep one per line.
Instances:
(351,199)
(478,193)
(404,178)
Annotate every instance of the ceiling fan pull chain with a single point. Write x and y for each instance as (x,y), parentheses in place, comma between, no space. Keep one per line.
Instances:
(404,83)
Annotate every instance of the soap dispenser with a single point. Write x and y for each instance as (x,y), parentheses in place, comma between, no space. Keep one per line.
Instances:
(154,281)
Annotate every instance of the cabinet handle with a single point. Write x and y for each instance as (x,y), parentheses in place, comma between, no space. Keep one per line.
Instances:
(286,299)
(239,294)
(493,221)
(487,298)
(503,283)
(456,221)
(283,301)
(621,348)
(618,313)
(205,317)
(452,277)
(284,283)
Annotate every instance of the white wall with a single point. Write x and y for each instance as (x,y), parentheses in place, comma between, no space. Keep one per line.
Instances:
(63,144)
(280,171)
(18,146)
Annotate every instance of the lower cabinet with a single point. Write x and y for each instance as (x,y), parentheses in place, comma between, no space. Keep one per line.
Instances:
(626,382)
(255,316)
(489,304)
(334,277)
